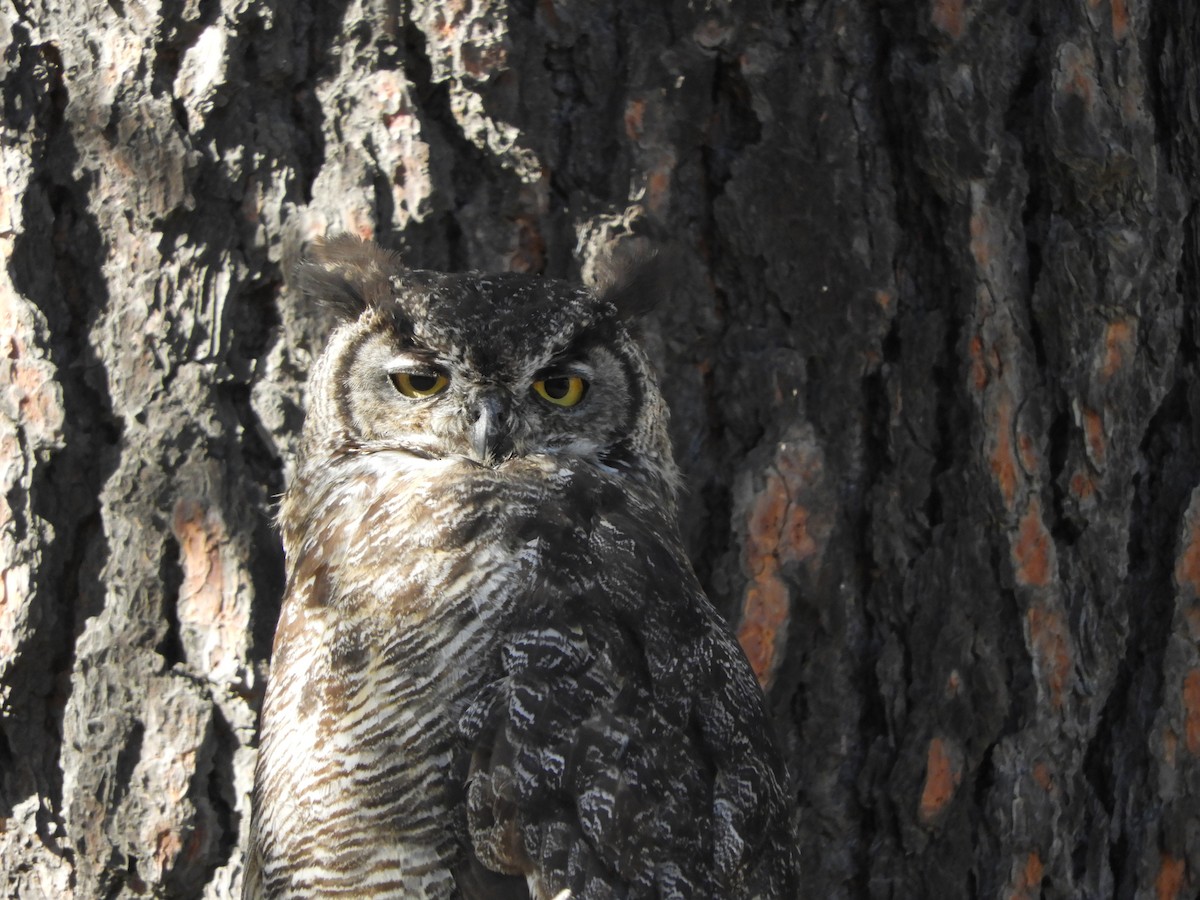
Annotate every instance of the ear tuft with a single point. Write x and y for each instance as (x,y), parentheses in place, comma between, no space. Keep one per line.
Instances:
(636,281)
(346,274)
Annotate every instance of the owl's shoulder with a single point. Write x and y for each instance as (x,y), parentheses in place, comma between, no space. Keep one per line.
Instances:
(623,739)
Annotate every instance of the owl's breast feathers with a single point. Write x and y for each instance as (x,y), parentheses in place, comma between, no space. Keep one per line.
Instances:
(535,657)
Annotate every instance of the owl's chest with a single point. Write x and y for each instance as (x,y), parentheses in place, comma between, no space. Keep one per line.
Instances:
(430,559)
(421,575)
(390,628)
(421,571)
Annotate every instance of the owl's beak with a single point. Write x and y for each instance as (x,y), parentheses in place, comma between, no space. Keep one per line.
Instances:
(489,433)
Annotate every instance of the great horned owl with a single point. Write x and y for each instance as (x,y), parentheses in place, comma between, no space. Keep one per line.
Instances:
(495,673)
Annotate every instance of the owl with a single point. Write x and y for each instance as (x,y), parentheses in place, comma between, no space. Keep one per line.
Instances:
(495,673)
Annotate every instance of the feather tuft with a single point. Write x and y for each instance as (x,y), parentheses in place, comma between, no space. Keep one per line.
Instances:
(347,274)
(637,281)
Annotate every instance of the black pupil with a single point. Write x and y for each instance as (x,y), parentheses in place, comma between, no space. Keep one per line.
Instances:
(557,388)
(423,383)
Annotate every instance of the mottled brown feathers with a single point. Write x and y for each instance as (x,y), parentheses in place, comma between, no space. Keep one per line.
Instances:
(346,274)
(639,281)
(495,674)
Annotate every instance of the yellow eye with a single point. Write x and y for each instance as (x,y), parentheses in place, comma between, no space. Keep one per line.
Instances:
(561,390)
(419,385)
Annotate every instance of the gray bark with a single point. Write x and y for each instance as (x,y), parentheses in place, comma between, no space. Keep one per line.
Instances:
(933,365)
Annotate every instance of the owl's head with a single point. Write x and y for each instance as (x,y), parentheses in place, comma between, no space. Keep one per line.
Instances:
(485,368)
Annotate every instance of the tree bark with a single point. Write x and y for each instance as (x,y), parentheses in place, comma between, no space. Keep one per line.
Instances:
(932,360)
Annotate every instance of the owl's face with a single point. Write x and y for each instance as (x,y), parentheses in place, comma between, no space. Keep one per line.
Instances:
(480,368)
(488,370)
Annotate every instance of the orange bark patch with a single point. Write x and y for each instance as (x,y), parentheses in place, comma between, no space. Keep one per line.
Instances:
(947,17)
(1029,457)
(1118,344)
(166,850)
(32,383)
(979,375)
(1079,74)
(658,189)
(1170,746)
(781,528)
(1034,552)
(1003,460)
(1082,486)
(806,528)
(1120,19)
(943,773)
(1169,882)
(953,684)
(212,621)
(200,557)
(357,220)
(1191,711)
(765,611)
(1093,429)
(446,24)
(1051,650)
(395,122)
(1033,870)
(765,525)
(884,299)
(1191,616)
(1187,567)
(1029,877)
(798,541)
(765,605)
(635,112)
(1041,774)
(980,240)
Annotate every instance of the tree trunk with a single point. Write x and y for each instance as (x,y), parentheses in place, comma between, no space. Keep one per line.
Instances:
(933,374)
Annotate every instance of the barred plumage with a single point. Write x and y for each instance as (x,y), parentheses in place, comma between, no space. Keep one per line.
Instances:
(495,674)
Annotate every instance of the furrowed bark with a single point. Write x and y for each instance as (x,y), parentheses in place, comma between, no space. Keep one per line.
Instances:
(931,351)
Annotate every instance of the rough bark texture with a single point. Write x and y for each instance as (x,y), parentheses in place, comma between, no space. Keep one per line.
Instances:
(933,365)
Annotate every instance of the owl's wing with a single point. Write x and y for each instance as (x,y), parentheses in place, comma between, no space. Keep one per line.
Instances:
(625,750)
